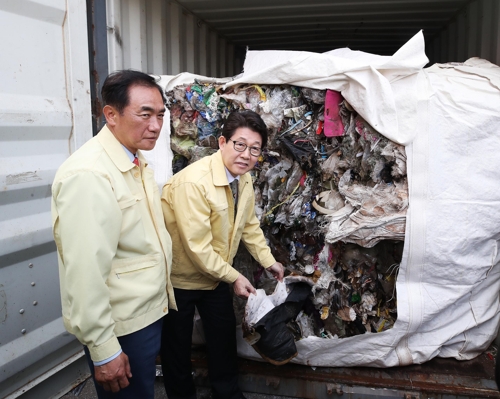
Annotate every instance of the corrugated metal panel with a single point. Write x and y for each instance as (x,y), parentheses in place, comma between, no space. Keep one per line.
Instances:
(163,38)
(375,26)
(98,47)
(44,116)
(473,32)
(209,37)
(454,30)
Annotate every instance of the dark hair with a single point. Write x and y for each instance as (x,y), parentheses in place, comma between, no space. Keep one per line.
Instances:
(115,90)
(249,119)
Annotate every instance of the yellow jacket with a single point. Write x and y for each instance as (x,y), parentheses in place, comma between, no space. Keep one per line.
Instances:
(113,248)
(199,213)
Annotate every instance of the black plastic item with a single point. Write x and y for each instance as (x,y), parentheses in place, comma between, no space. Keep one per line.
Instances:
(277,342)
(179,163)
(302,151)
(386,172)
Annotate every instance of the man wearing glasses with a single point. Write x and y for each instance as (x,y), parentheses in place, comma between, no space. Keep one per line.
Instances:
(206,222)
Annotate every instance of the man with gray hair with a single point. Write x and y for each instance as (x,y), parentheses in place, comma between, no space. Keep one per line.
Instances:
(113,248)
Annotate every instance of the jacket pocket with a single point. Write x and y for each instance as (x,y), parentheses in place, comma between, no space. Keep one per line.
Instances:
(219,221)
(220,207)
(131,200)
(134,264)
(133,207)
(137,285)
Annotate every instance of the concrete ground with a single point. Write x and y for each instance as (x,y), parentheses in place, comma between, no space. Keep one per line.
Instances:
(86,390)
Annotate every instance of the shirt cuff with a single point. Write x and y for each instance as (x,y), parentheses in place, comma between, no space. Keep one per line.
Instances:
(108,359)
(231,276)
(268,261)
(105,350)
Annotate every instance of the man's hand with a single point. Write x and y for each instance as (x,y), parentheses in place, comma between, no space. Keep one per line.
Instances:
(114,375)
(242,287)
(277,271)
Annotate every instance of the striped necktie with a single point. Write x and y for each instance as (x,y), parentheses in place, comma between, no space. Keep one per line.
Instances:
(136,161)
(234,190)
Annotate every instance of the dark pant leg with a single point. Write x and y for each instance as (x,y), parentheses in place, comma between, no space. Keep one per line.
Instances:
(219,324)
(176,346)
(141,347)
(101,393)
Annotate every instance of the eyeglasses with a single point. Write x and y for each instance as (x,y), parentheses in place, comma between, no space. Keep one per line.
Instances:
(241,147)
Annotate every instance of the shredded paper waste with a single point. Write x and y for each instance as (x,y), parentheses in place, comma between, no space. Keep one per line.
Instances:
(331,196)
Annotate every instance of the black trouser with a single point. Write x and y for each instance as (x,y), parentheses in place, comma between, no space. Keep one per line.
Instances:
(219,324)
(141,347)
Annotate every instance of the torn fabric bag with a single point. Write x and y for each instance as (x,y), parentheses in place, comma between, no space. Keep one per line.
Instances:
(449,277)
(270,335)
(407,166)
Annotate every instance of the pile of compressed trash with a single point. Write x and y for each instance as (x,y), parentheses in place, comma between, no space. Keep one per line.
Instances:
(331,196)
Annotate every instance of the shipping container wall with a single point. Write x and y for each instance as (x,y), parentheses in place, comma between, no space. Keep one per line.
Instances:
(473,32)
(44,116)
(160,37)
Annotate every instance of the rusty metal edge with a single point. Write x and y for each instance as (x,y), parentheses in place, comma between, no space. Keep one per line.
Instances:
(419,379)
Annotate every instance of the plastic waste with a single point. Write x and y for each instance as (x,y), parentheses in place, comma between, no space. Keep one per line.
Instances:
(331,207)
(333,125)
(270,336)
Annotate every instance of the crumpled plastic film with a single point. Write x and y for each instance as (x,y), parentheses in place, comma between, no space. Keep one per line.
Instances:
(267,329)
(331,207)
(451,226)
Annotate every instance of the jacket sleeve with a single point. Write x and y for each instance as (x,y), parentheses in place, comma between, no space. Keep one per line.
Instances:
(192,213)
(87,223)
(253,238)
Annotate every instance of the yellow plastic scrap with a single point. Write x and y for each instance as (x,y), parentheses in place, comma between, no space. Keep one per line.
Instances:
(283,202)
(325,310)
(316,275)
(261,92)
(381,326)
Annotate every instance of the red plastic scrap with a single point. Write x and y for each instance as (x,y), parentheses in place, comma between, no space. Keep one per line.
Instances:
(303,179)
(319,130)
(333,125)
